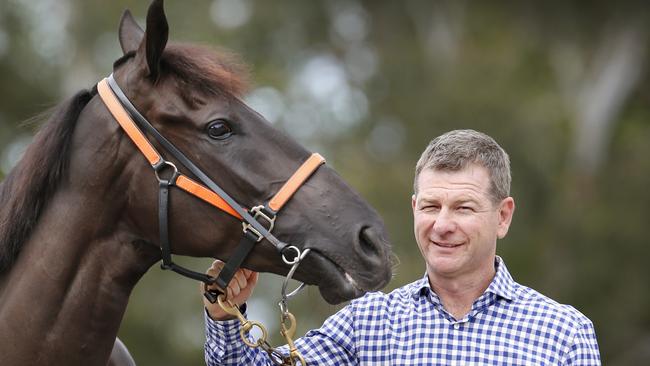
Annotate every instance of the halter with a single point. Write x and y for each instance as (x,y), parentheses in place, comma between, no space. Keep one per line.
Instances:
(133,123)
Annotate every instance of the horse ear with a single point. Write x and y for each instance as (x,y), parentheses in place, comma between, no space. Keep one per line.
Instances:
(155,37)
(130,33)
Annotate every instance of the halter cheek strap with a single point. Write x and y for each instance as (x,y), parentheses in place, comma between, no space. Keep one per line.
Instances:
(133,124)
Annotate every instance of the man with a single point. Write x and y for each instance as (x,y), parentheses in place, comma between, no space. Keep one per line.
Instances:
(466,310)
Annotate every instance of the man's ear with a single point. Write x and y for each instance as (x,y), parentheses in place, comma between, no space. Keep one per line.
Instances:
(413,202)
(506,211)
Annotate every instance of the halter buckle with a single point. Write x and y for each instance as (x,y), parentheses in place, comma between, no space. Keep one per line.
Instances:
(260,212)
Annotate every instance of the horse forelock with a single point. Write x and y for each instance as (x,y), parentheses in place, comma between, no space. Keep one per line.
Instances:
(208,70)
(29,186)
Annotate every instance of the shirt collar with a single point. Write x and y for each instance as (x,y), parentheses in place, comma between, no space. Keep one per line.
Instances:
(502,284)
(421,287)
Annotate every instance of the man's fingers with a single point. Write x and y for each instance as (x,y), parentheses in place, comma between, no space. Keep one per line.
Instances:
(239,279)
(248,273)
(217,265)
(242,279)
(213,271)
(215,268)
(252,279)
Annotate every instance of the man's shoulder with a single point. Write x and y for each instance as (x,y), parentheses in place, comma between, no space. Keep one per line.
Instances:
(537,305)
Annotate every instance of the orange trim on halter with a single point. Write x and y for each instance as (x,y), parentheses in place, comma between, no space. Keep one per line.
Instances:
(297,179)
(205,194)
(152,155)
(123,118)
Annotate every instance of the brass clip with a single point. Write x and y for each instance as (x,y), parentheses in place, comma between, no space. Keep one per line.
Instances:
(288,334)
(246,325)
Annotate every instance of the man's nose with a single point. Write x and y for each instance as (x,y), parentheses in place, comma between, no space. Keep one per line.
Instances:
(444,222)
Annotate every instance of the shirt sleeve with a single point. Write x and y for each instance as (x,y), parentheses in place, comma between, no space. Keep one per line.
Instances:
(584,350)
(332,344)
(223,345)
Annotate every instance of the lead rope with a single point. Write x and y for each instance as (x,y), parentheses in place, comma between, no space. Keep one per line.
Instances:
(287,322)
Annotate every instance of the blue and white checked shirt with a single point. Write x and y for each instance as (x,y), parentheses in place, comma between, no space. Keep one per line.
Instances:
(509,324)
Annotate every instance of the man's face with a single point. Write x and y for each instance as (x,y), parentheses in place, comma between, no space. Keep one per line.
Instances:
(457,223)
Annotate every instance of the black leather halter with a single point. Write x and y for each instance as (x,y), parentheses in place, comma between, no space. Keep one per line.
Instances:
(253,230)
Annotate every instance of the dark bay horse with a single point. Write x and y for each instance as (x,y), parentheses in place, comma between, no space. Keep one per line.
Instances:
(79,214)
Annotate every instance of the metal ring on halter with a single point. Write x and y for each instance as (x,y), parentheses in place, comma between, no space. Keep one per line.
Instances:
(294,267)
(296,259)
(296,262)
(161,166)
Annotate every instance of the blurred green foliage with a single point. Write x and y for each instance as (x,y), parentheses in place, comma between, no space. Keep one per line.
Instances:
(562,85)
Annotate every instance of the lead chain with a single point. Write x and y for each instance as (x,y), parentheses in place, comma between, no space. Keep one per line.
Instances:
(287,332)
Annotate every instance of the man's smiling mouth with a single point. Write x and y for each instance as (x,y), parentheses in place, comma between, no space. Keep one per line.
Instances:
(446,245)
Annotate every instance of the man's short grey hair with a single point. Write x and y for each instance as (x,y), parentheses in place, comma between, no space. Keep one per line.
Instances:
(455,150)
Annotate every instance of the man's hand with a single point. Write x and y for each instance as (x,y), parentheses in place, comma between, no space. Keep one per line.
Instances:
(239,289)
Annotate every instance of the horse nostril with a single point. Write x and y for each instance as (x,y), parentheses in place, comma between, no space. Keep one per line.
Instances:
(369,242)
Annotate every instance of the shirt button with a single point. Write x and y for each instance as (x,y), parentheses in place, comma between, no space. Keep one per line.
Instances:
(456,326)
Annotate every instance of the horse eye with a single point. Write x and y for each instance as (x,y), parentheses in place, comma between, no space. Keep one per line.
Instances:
(219,130)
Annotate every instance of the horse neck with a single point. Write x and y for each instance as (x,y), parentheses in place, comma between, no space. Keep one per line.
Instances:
(66,294)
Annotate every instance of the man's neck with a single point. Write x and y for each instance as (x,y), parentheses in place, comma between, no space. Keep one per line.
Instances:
(458,293)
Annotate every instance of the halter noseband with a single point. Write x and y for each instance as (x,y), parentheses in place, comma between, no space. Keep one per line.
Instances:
(133,123)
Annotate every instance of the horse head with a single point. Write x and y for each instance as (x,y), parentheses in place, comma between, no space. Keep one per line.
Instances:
(193,97)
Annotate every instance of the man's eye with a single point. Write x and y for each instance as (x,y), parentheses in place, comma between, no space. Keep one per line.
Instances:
(429,208)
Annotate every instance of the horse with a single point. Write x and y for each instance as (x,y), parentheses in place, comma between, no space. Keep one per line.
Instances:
(85,212)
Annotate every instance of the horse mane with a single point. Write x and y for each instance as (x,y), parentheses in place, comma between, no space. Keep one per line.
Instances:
(28,187)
